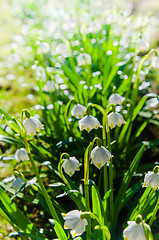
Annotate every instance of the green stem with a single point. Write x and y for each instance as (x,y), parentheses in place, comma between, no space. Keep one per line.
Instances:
(110,174)
(104,113)
(154,213)
(86,190)
(43,189)
(60,169)
(105,172)
(101,226)
(74,197)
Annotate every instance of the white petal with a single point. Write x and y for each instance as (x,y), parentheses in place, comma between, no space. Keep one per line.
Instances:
(134,231)
(115,119)
(100,156)
(75,223)
(71,165)
(30,126)
(78,111)
(88,123)
(151,179)
(17,183)
(73,214)
(21,155)
(116,99)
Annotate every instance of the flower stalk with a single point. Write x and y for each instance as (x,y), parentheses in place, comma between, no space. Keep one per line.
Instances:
(100,226)
(154,213)
(107,140)
(86,188)
(43,189)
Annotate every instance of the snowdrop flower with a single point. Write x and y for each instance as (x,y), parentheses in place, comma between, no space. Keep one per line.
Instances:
(21,155)
(78,111)
(83,58)
(71,165)
(49,86)
(74,222)
(116,99)
(88,123)
(17,183)
(155,62)
(135,230)
(100,156)
(32,125)
(143,45)
(115,119)
(152,178)
(44,48)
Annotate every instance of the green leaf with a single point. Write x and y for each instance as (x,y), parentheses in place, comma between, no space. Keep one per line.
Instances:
(9,140)
(15,216)
(59,230)
(31,236)
(98,210)
(139,107)
(126,180)
(97,206)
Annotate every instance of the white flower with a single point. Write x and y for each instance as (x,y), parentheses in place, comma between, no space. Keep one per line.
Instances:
(88,123)
(155,62)
(135,231)
(17,183)
(71,165)
(152,179)
(143,45)
(83,58)
(100,156)
(44,47)
(74,222)
(116,99)
(115,119)
(32,125)
(21,155)
(49,86)
(78,111)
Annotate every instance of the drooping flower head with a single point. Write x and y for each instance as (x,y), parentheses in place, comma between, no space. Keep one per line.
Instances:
(78,111)
(49,86)
(32,125)
(155,62)
(74,222)
(71,165)
(17,183)
(100,156)
(88,123)
(116,99)
(152,178)
(143,45)
(135,230)
(115,119)
(21,155)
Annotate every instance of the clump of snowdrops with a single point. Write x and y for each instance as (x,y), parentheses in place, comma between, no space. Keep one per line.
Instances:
(81,162)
